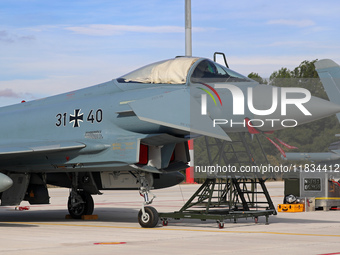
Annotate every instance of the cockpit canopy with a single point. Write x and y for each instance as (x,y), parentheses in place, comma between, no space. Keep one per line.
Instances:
(177,71)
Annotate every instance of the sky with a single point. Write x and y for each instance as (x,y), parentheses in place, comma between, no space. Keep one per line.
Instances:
(52,47)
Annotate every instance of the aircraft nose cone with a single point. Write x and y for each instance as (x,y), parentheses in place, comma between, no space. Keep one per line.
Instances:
(296,110)
(5,182)
(318,108)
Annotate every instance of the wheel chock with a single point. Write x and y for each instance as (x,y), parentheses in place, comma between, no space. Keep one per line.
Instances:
(89,217)
(83,217)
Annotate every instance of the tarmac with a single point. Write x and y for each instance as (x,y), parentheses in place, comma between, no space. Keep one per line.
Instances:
(43,229)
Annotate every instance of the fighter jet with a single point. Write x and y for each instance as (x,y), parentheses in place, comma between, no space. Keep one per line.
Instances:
(132,132)
(329,73)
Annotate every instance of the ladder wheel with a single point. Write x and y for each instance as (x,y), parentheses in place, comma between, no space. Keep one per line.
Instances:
(221,225)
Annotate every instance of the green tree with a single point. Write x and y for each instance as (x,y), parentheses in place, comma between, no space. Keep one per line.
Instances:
(257,77)
(282,73)
(305,70)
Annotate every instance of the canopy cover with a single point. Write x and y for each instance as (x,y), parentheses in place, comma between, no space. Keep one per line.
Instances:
(173,71)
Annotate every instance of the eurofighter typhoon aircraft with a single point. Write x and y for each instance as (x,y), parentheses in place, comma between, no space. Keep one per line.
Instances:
(132,132)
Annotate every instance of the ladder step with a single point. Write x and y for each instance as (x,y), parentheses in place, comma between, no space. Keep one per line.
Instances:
(253,192)
(258,202)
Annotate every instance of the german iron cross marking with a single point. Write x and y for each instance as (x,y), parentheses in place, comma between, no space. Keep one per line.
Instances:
(76,118)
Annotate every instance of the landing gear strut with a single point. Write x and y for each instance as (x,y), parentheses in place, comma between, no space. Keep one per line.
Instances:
(80,202)
(147,216)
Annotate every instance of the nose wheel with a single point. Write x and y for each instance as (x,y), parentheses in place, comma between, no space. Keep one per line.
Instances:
(149,218)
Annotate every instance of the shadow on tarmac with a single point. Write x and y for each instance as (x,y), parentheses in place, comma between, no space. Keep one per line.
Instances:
(127,215)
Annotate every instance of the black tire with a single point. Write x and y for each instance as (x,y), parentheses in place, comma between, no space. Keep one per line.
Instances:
(151,217)
(83,208)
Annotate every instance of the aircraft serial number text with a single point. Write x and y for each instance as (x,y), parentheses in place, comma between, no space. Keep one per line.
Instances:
(93,116)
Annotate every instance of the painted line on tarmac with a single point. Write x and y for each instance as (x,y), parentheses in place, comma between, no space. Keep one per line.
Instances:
(109,243)
(172,229)
(330,253)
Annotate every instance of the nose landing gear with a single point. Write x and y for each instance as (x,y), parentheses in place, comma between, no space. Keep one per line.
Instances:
(148,215)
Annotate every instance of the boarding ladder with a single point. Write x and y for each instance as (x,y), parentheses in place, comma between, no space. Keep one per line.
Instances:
(234,195)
